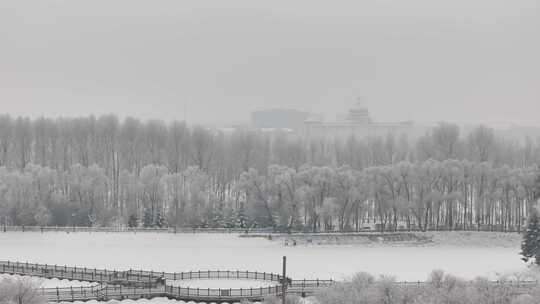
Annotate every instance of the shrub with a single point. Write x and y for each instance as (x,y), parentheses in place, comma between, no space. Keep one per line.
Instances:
(288,300)
(21,290)
(441,288)
(524,299)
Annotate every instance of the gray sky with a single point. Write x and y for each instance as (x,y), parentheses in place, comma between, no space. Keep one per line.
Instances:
(422,60)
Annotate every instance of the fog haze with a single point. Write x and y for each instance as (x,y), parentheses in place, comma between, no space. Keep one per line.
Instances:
(464,61)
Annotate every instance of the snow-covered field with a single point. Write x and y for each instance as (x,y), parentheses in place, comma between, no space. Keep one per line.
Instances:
(465,255)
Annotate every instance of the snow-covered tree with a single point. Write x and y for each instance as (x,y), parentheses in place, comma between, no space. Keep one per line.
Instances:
(159,221)
(21,290)
(241,220)
(148,218)
(133,221)
(530,247)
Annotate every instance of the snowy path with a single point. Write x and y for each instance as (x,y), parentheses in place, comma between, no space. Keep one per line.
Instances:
(184,252)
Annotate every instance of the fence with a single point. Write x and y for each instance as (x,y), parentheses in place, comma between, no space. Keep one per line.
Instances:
(136,284)
(70,293)
(128,229)
(76,273)
(374,228)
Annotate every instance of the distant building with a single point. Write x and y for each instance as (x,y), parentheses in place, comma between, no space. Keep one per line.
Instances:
(279,119)
(357,122)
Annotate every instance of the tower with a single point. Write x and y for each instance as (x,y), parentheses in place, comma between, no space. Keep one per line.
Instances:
(359,113)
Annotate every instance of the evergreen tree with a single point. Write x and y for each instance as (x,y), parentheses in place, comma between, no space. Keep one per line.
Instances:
(160,220)
(218,219)
(530,247)
(148,218)
(229,220)
(240,218)
(133,221)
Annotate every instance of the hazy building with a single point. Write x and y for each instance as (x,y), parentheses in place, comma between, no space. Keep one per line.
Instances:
(356,122)
(279,119)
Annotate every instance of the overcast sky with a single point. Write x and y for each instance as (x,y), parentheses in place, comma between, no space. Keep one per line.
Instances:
(422,60)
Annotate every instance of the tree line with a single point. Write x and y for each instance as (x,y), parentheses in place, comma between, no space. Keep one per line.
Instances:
(102,171)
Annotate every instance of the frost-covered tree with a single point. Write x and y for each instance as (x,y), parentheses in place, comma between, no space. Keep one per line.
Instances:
(151,186)
(100,170)
(20,291)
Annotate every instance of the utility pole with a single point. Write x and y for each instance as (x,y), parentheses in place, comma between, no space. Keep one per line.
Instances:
(284,281)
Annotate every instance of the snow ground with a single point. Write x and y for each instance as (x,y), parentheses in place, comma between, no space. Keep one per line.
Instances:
(184,252)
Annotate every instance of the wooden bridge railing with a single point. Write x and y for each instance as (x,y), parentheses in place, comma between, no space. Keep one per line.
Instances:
(132,283)
(104,275)
(75,273)
(223,274)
